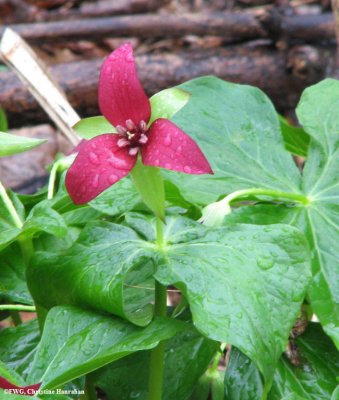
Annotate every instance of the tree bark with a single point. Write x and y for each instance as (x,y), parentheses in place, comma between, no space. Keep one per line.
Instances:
(281,76)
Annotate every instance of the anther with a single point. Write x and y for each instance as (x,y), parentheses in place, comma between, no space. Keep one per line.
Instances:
(133,151)
(123,142)
(143,139)
(142,125)
(121,130)
(130,125)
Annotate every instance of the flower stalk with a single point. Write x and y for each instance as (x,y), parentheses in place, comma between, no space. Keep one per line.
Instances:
(156,377)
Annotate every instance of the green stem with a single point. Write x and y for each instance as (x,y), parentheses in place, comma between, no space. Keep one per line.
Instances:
(16,307)
(51,181)
(15,317)
(10,207)
(156,377)
(90,392)
(217,358)
(272,194)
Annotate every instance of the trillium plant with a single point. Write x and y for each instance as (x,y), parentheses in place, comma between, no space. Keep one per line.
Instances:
(187,249)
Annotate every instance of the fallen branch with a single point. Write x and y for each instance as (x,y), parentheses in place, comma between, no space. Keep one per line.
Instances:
(18,10)
(281,77)
(231,26)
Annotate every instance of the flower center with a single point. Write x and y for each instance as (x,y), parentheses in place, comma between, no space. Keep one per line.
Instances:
(132,136)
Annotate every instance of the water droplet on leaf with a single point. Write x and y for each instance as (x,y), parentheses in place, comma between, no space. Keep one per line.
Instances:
(265,262)
(112,178)
(94,158)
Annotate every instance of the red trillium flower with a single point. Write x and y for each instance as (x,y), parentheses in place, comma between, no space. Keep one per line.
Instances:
(105,159)
(24,390)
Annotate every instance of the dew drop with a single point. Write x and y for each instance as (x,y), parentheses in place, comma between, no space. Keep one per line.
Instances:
(187,169)
(265,262)
(179,149)
(94,158)
(112,178)
(168,166)
(95,182)
(167,141)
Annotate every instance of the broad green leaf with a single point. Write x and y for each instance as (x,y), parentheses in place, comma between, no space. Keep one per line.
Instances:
(238,283)
(296,139)
(88,128)
(335,394)
(168,102)
(103,270)
(242,379)
(18,346)
(43,218)
(10,374)
(318,111)
(7,235)
(313,379)
(13,287)
(3,121)
(76,342)
(230,276)
(119,198)
(12,144)
(187,356)
(238,130)
(149,183)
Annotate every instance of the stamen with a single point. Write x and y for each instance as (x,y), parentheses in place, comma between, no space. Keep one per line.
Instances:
(143,139)
(133,151)
(143,125)
(130,125)
(121,130)
(123,142)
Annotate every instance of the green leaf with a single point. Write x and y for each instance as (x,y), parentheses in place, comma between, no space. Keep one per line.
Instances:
(318,111)
(88,128)
(18,346)
(103,270)
(313,379)
(187,355)
(242,379)
(118,199)
(3,121)
(76,342)
(13,287)
(167,103)
(238,283)
(149,183)
(9,374)
(230,276)
(43,218)
(296,139)
(12,144)
(237,129)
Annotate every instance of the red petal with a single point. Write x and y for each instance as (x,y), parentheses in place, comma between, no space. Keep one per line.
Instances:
(99,164)
(171,148)
(121,96)
(26,390)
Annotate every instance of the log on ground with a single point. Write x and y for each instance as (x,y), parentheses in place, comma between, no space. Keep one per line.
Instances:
(231,26)
(281,75)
